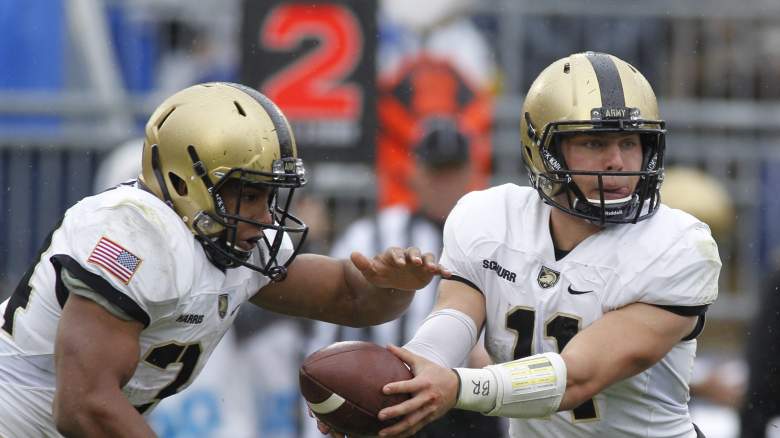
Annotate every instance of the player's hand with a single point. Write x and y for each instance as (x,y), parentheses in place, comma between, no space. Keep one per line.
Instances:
(323,427)
(433,389)
(398,268)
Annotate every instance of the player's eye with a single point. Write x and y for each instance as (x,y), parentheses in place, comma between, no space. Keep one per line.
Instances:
(629,144)
(250,197)
(592,143)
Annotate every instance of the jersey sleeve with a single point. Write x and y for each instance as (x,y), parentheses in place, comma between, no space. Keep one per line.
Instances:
(457,255)
(126,254)
(684,277)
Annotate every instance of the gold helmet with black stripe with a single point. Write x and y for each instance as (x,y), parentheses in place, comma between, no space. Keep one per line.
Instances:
(209,134)
(592,93)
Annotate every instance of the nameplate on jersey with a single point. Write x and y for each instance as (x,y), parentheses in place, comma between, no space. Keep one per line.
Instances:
(547,277)
(499,270)
(190,318)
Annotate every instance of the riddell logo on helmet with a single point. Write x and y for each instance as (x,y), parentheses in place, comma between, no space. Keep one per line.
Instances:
(550,159)
(652,163)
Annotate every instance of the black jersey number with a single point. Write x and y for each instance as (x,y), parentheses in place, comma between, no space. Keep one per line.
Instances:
(561,328)
(163,356)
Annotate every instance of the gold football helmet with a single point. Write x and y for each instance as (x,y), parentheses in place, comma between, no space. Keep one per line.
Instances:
(702,195)
(586,93)
(209,134)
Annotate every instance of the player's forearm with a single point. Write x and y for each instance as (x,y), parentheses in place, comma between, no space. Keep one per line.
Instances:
(370,304)
(590,373)
(592,367)
(620,345)
(100,415)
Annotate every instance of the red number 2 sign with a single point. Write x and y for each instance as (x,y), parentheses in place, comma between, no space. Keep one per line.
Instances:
(315,85)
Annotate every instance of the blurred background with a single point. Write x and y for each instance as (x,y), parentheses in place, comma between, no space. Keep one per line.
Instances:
(358,80)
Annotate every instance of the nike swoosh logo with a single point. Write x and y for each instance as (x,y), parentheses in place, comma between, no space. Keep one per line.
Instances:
(578,292)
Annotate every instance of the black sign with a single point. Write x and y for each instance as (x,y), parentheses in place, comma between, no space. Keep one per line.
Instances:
(315,59)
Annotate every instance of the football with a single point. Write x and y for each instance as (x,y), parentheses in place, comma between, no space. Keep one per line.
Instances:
(342,384)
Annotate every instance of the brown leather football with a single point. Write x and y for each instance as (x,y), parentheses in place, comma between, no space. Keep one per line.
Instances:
(342,384)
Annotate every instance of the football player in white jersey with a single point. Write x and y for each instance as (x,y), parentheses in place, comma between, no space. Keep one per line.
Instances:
(135,287)
(591,292)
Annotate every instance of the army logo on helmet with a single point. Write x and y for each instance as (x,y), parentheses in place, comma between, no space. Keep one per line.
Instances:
(547,277)
(222,305)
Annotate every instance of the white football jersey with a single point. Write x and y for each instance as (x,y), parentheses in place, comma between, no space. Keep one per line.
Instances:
(137,253)
(498,240)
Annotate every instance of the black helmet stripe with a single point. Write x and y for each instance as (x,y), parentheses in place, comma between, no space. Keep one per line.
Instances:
(610,85)
(281,127)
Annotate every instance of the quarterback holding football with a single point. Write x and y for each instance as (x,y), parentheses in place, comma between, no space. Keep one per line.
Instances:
(590,291)
(135,287)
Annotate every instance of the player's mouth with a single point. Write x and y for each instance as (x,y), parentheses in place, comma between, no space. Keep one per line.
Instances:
(249,244)
(616,193)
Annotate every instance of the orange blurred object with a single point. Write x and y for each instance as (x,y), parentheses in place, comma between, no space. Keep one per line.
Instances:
(426,87)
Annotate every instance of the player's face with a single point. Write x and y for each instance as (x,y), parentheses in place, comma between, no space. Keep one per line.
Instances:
(253,206)
(604,152)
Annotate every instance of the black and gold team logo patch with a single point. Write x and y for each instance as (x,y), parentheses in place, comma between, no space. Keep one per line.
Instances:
(547,277)
(222,305)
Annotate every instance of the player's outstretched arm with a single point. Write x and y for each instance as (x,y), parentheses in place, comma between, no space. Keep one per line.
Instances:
(357,292)
(619,345)
(96,354)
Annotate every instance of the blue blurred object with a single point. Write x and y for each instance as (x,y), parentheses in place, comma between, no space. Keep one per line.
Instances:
(135,44)
(278,412)
(31,52)
(769,211)
(198,415)
(31,44)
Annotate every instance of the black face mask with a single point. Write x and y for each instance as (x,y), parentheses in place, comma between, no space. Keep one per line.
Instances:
(640,205)
(276,247)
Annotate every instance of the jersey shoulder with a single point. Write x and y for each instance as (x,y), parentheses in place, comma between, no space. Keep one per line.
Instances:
(132,240)
(669,233)
(669,259)
(497,214)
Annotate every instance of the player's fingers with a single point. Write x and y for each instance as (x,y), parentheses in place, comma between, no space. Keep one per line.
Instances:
(431,266)
(323,428)
(419,424)
(410,406)
(370,268)
(429,260)
(361,262)
(408,426)
(414,256)
(396,256)
(405,355)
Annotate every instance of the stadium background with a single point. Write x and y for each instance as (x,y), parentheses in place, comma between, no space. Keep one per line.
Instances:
(79,77)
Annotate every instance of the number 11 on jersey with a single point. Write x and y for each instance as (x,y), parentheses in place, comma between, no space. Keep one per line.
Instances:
(562,328)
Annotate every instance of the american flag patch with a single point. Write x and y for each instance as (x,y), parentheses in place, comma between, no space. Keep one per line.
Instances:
(118,261)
